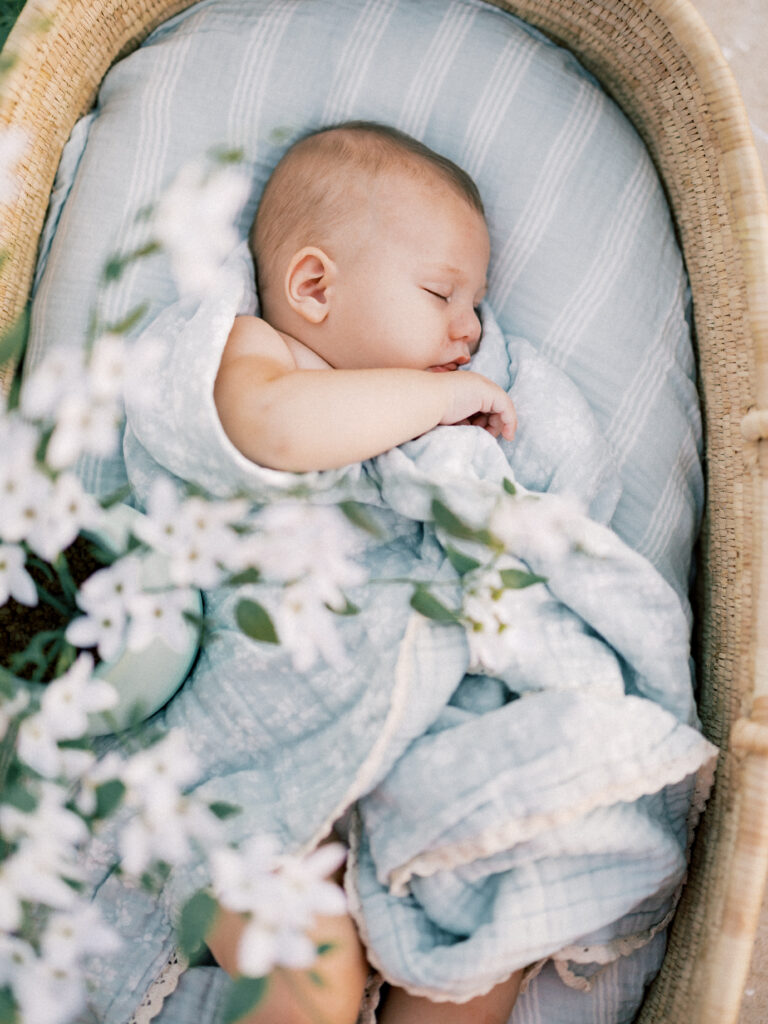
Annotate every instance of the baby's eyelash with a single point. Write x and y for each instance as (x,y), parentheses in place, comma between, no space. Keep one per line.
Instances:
(437,295)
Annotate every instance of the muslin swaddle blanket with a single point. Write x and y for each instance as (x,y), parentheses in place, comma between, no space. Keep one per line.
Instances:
(502,809)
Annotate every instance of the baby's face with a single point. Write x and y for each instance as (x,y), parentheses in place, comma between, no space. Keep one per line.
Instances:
(409,286)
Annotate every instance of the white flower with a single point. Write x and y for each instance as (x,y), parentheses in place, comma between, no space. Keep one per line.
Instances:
(69,700)
(69,510)
(15,581)
(496,614)
(194,221)
(38,748)
(281,895)
(61,372)
(297,540)
(24,496)
(49,993)
(159,616)
(166,821)
(307,892)
(160,528)
(104,597)
(107,368)
(70,935)
(169,762)
(194,534)
(10,709)
(105,770)
(167,830)
(307,628)
(83,425)
(541,526)
(13,142)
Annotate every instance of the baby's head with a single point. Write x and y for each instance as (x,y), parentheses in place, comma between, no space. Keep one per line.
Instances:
(369,246)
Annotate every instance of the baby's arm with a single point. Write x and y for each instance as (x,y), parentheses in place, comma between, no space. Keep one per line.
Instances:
(299,420)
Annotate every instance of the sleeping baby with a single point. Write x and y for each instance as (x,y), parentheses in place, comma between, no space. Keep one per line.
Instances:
(371,253)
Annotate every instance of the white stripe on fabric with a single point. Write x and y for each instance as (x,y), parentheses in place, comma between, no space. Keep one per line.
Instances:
(355,59)
(606,267)
(545,197)
(267,31)
(648,381)
(670,508)
(426,83)
(487,117)
(149,168)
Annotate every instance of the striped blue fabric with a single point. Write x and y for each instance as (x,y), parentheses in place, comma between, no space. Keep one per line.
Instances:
(584,263)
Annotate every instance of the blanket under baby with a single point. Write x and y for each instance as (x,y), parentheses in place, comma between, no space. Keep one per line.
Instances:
(507,805)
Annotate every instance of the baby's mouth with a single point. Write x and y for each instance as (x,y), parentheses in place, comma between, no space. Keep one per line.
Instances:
(444,368)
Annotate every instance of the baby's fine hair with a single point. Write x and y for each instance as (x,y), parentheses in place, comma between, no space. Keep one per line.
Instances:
(318,180)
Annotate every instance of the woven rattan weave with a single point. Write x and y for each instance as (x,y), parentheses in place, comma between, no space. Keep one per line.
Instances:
(659,61)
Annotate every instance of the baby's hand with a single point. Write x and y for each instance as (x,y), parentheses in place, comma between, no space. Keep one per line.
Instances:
(475,400)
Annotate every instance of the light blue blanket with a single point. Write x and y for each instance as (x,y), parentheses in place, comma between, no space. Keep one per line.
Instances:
(497,819)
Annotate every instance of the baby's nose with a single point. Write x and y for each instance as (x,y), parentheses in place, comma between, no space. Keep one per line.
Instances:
(466,326)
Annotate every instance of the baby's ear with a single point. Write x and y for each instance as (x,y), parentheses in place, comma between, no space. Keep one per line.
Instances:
(309,282)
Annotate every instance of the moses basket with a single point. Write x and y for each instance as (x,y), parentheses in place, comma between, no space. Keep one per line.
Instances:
(660,63)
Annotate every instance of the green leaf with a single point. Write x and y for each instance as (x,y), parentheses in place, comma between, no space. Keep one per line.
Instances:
(20,798)
(426,603)
(108,796)
(461,563)
(356,514)
(516,579)
(251,575)
(456,527)
(128,321)
(244,994)
(325,947)
(509,487)
(197,916)
(8,1009)
(224,810)
(253,619)
(14,340)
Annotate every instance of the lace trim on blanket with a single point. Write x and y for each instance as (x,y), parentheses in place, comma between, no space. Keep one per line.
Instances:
(163,986)
(368,770)
(502,837)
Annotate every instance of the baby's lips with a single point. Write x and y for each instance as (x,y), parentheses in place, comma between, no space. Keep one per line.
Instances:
(444,368)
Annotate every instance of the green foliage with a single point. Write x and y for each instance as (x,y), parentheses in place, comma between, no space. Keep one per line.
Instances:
(9,12)
(460,562)
(197,916)
(516,579)
(359,516)
(456,527)
(253,619)
(424,601)
(244,994)
(8,1013)
(108,796)
(223,810)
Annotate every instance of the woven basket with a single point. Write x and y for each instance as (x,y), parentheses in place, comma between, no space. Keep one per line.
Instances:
(659,61)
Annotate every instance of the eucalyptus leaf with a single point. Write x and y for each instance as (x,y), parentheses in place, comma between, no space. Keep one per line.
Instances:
(224,810)
(253,619)
(244,994)
(456,527)
(358,516)
(108,796)
(460,562)
(425,602)
(197,916)
(517,579)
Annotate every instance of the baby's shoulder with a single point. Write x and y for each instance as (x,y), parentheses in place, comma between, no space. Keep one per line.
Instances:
(252,336)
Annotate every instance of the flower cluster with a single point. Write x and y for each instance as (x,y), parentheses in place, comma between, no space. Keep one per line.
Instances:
(141,577)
